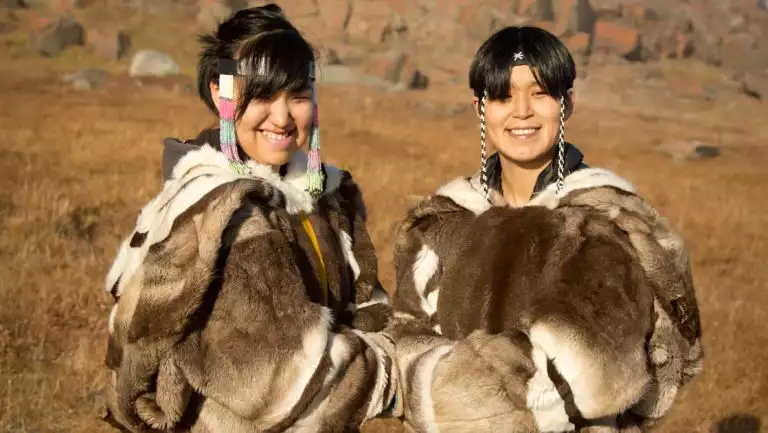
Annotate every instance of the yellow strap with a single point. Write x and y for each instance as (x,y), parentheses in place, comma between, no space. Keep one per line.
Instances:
(312,237)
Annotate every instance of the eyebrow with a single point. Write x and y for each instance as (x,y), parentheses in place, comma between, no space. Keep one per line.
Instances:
(529,83)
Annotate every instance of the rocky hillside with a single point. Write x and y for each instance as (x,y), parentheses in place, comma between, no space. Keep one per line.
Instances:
(413,44)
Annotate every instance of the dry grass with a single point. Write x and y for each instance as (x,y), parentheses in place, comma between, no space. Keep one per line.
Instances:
(77,167)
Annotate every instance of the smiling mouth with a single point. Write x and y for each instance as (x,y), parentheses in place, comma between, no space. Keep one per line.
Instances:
(277,136)
(523,132)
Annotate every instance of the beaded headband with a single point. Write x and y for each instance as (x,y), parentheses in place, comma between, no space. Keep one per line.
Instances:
(227,70)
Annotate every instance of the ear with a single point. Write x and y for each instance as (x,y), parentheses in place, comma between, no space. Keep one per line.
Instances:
(476,104)
(214,86)
(572,101)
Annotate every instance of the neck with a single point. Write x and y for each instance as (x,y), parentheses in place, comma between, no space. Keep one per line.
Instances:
(519,179)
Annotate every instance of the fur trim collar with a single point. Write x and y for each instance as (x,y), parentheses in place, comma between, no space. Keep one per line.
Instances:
(468,192)
(195,175)
(293,185)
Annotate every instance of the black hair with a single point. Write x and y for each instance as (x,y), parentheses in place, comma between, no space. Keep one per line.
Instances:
(549,59)
(263,40)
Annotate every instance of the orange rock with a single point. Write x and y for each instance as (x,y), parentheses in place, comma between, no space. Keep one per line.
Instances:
(624,40)
(578,43)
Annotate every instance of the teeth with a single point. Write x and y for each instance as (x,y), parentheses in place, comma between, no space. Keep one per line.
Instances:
(273,136)
(526,131)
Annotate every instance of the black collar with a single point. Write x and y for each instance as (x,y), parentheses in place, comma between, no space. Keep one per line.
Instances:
(574,160)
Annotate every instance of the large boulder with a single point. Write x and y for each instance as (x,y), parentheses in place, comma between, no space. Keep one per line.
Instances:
(151,63)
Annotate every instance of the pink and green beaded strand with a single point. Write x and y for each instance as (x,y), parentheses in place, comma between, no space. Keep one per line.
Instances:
(314,165)
(227,135)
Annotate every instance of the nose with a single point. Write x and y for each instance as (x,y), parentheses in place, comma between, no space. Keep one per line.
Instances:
(521,106)
(279,113)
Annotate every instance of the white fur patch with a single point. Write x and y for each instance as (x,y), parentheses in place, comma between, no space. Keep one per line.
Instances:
(570,360)
(296,175)
(422,385)
(349,256)
(378,401)
(465,195)
(581,179)
(546,404)
(424,268)
(117,268)
(586,373)
(340,354)
(379,297)
(111,322)
(469,196)
(432,298)
(403,316)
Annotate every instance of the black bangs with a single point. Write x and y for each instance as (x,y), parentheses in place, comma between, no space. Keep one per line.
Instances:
(548,57)
(272,63)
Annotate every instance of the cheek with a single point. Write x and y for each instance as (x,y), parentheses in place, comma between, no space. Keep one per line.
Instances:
(548,112)
(495,116)
(253,117)
(302,114)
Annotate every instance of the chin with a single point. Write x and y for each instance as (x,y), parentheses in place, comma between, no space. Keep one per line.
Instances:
(279,158)
(525,156)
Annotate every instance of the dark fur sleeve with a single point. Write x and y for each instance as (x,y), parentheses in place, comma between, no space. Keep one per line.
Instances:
(412,234)
(372,301)
(405,251)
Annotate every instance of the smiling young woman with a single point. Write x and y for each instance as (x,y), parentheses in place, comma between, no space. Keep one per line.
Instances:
(247,296)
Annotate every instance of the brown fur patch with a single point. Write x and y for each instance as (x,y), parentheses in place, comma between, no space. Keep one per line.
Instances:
(592,266)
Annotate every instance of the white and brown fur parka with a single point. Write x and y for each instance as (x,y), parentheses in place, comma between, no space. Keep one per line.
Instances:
(576,312)
(219,323)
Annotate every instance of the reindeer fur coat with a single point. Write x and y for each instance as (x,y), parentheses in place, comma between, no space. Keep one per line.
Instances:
(575,312)
(220,323)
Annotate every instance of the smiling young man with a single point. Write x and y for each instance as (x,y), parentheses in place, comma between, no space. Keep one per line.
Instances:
(522,80)
(509,309)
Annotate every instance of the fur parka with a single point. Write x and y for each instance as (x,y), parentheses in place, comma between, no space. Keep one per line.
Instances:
(574,312)
(220,321)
